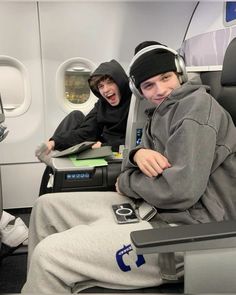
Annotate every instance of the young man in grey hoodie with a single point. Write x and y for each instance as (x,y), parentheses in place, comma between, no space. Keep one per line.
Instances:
(190,129)
(185,167)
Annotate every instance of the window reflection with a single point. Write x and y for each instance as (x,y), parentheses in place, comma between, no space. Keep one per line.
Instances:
(77,89)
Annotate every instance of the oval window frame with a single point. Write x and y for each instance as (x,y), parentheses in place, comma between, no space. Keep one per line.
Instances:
(65,104)
(17,110)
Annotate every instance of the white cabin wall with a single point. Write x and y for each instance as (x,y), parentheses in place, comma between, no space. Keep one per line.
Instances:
(74,32)
(158,21)
(19,39)
(208,17)
(208,36)
(100,31)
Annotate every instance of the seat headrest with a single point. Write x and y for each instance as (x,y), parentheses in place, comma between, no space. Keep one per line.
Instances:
(228,77)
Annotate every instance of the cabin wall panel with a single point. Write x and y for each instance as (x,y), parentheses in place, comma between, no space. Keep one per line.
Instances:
(208,17)
(100,31)
(20,184)
(21,172)
(19,39)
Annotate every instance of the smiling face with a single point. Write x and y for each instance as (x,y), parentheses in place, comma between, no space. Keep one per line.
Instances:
(109,91)
(158,88)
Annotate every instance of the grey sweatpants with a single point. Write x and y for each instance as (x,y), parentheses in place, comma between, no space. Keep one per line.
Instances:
(75,243)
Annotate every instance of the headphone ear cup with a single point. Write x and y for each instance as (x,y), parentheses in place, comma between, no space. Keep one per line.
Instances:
(134,89)
(181,69)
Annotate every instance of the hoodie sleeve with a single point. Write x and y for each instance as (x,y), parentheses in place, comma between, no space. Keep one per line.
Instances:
(190,150)
(89,130)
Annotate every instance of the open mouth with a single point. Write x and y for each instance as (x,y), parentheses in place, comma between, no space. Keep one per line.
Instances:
(111,97)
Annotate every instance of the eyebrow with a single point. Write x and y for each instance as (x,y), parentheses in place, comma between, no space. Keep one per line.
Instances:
(146,82)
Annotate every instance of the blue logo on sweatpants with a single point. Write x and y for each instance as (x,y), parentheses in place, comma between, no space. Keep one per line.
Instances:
(123,251)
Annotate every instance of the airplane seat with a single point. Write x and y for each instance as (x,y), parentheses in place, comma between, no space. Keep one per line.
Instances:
(227,94)
(209,249)
(212,79)
(136,121)
(68,178)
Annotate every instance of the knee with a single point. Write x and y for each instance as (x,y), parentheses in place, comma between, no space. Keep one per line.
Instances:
(44,253)
(42,201)
(77,114)
(41,205)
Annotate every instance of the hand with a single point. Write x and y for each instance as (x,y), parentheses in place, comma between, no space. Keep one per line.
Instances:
(50,146)
(150,162)
(97,145)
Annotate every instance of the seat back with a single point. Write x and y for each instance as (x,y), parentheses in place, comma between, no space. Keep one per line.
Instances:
(227,94)
(136,121)
(212,79)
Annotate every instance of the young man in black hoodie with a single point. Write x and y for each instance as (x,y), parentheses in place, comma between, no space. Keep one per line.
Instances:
(105,123)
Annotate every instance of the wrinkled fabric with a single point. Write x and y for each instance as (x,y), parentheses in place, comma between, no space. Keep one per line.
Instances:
(198,138)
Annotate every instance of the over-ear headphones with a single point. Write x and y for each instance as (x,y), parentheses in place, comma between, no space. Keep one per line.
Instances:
(179,63)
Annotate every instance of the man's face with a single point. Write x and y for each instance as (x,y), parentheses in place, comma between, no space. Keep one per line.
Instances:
(109,91)
(158,88)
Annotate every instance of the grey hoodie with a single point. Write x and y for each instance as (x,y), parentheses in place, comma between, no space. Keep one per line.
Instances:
(198,137)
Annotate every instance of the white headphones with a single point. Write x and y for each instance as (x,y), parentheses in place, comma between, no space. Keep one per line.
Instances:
(179,63)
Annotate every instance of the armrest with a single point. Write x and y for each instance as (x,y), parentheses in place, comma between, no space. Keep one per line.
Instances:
(214,235)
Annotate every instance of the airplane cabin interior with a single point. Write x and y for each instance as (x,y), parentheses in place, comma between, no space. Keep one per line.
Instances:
(48,49)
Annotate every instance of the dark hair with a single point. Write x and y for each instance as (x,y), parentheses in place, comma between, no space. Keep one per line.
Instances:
(95,80)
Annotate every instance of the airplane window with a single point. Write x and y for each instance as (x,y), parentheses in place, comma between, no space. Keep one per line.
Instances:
(77,90)
(14,86)
(11,76)
(72,88)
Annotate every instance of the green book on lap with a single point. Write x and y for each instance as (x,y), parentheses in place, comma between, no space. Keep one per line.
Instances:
(97,162)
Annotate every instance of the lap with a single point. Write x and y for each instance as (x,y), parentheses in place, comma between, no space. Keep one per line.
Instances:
(93,220)
(103,248)
(97,247)
(81,203)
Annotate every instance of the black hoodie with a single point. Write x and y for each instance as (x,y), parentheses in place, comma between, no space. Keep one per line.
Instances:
(104,122)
